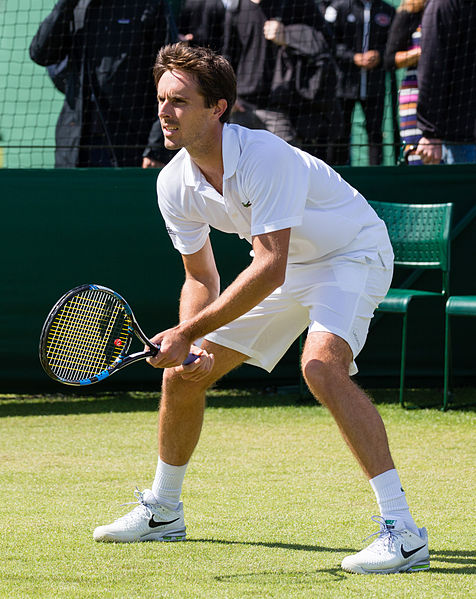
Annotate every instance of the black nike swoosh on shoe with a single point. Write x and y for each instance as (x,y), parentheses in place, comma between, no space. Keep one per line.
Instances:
(407,554)
(154,524)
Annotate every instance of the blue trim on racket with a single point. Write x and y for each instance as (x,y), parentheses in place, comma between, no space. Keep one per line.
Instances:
(87,335)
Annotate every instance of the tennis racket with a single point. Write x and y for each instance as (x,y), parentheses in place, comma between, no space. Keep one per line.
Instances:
(87,336)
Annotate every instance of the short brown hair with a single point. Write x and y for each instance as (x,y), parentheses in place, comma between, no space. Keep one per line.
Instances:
(214,74)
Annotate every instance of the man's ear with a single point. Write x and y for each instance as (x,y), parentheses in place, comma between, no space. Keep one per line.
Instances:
(220,107)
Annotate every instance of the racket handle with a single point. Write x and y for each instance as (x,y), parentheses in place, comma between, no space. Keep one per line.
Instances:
(190,358)
(156,348)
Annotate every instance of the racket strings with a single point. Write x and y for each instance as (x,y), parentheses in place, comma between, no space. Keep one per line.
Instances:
(80,340)
(95,336)
(87,335)
(92,344)
(77,318)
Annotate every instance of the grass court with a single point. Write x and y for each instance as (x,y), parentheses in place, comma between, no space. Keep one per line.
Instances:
(273,499)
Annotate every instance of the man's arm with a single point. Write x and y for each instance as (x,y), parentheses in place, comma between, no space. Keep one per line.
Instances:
(52,41)
(202,282)
(432,87)
(266,273)
(433,84)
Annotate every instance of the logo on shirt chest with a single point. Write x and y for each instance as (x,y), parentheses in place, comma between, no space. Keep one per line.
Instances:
(382,19)
(246,204)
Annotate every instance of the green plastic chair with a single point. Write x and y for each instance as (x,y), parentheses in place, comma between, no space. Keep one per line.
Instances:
(420,236)
(457,305)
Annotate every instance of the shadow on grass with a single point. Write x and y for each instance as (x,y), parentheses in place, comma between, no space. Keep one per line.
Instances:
(58,405)
(85,402)
(275,545)
(121,402)
(259,577)
(459,562)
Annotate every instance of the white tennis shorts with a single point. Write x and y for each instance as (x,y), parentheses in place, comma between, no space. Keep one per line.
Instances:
(338,296)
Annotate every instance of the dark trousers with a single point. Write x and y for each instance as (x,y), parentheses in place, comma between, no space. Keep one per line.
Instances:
(339,150)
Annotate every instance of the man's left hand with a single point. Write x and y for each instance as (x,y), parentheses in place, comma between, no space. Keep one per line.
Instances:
(370,59)
(274,32)
(200,368)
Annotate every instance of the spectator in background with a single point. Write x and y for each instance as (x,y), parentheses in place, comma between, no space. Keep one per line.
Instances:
(446,110)
(403,52)
(253,58)
(305,79)
(200,22)
(263,39)
(361,30)
(101,56)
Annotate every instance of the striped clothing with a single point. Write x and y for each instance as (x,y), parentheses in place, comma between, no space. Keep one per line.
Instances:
(407,101)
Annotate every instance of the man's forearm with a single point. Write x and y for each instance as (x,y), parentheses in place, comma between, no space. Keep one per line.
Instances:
(266,272)
(247,290)
(251,286)
(52,41)
(195,296)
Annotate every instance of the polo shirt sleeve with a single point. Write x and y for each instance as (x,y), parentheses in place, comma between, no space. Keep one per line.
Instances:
(276,184)
(188,236)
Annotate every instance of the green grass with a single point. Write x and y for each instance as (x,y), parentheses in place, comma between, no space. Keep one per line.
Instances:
(273,500)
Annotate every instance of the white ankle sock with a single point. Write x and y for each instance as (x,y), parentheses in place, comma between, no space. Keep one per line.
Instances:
(391,499)
(167,485)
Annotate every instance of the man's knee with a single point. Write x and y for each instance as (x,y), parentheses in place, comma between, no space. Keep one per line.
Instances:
(174,383)
(325,363)
(320,376)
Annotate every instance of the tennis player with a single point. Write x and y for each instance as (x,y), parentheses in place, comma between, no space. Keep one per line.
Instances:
(321,259)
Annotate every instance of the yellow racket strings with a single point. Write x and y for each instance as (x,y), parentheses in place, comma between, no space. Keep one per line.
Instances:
(87,335)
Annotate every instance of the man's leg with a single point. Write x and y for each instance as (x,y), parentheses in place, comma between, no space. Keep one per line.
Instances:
(400,546)
(373,110)
(340,134)
(159,515)
(325,364)
(183,404)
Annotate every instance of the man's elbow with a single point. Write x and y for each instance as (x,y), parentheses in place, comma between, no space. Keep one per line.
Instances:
(275,277)
(212,284)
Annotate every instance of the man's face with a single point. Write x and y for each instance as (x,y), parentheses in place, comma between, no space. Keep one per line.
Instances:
(186,121)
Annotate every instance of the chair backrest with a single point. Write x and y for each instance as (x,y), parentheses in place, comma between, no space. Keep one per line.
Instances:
(420,234)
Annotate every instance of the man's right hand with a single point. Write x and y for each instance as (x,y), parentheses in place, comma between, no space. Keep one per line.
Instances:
(429,150)
(148,162)
(368,60)
(238,107)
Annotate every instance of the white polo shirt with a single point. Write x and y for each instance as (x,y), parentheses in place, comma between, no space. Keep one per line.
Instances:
(269,185)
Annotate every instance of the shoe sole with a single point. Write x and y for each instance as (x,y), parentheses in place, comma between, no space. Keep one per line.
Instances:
(167,538)
(408,568)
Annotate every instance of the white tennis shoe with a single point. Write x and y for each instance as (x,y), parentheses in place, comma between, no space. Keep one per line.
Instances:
(395,549)
(149,521)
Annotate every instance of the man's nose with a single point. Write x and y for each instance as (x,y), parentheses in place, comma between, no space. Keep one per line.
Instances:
(164,108)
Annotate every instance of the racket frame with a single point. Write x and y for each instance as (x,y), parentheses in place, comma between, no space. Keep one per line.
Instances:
(120,362)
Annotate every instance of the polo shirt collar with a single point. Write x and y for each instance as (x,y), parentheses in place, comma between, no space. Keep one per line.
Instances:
(231,155)
(192,174)
(231,150)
